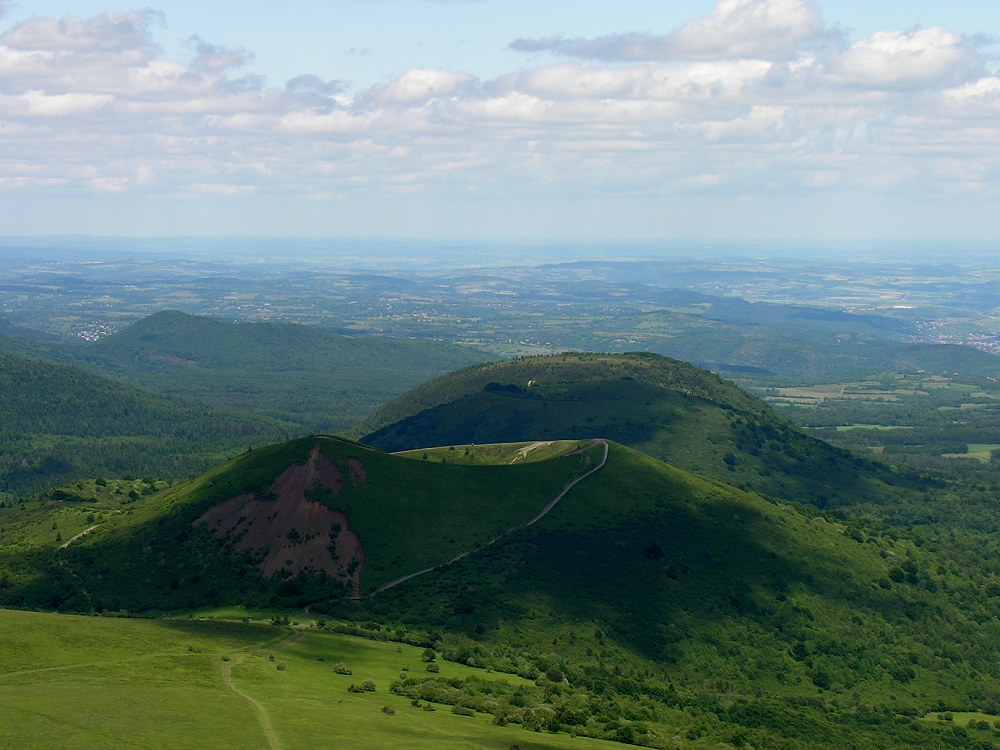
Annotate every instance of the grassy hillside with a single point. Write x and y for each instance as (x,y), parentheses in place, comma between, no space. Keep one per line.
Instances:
(671,410)
(60,423)
(650,605)
(569,367)
(681,607)
(295,373)
(86,682)
(408,515)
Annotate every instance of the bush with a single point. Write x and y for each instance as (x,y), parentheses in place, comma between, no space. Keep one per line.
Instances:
(341,668)
(388,710)
(368,686)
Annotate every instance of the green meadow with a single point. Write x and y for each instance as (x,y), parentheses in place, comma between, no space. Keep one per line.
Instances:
(92,682)
(982,452)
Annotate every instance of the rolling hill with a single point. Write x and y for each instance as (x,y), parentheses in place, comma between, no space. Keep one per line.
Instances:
(60,423)
(336,516)
(668,409)
(294,373)
(649,605)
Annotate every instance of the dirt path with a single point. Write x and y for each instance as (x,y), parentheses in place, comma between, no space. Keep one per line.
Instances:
(523,452)
(82,534)
(263,718)
(535,519)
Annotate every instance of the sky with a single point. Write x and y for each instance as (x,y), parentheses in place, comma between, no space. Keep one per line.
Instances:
(784,120)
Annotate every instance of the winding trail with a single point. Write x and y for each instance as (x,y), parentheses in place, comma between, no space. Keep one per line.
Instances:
(263,718)
(530,522)
(78,536)
(259,711)
(523,452)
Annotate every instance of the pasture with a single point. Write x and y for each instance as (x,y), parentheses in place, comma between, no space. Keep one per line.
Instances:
(93,682)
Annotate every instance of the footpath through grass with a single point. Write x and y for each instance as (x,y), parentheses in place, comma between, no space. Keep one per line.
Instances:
(89,682)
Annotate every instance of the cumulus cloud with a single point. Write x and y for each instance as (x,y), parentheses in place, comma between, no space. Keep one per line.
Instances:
(910,59)
(212,59)
(765,29)
(418,86)
(109,32)
(759,96)
(310,85)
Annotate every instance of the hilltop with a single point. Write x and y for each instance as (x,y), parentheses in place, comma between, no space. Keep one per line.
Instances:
(668,409)
(649,603)
(286,525)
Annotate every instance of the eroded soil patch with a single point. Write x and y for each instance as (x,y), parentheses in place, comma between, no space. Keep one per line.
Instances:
(291,531)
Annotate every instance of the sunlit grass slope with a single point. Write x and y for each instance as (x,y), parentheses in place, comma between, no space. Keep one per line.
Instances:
(648,580)
(141,551)
(86,682)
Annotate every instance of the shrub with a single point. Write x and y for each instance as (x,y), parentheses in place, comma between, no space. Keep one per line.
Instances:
(388,710)
(821,679)
(341,668)
(368,686)
(282,666)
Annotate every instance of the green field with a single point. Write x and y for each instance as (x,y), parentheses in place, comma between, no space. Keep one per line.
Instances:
(965,718)
(849,427)
(89,682)
(982,452)
(496,454)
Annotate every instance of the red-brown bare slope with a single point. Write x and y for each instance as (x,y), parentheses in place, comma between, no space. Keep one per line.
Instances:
(292,532)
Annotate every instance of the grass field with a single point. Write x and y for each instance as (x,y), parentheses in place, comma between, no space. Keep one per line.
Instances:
(849,427)
(982,452)
(88,682)
(496,454)
(963,718)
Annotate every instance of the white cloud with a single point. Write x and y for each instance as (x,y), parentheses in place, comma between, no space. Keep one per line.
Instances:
(766,29)
(909,59)
(107,33)
(418,86)
(985,90)
(38,104)
(212,59)
(758,96)
(763,29)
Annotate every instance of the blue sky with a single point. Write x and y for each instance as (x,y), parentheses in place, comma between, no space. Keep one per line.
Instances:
(757,119)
